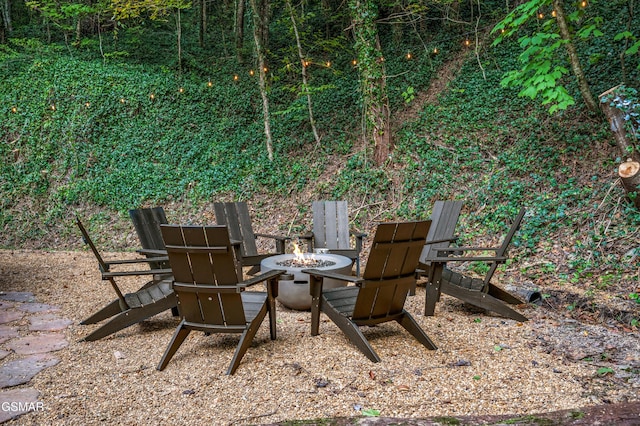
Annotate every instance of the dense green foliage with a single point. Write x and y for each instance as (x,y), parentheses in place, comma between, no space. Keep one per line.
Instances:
(111,146)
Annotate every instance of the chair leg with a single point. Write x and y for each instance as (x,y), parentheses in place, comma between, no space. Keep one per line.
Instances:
(482,300)
(433,289)
(246,338)
(352,331)
(315,288)
(499,293)
(179,335)
(130,317)
(108,311)
(410,324)
(271,308)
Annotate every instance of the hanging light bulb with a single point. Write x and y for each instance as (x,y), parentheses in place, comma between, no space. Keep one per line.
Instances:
(251,72)
(122,100)
(152,96)
(14,109)
(354,62)
(87,104)
(409,56)
(435,50)
(467,42)
(181,90)
(540,15)
(53,107)
(236,78)
(554,13)
(265,69)
(209,83)
(584,3)
(328,64)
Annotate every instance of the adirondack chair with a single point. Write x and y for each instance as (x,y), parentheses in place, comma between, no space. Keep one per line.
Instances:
(152,298)
(379,295)
(331,231)
(237,219)
(211,297)
(475,291)
(146,222)
(444,217)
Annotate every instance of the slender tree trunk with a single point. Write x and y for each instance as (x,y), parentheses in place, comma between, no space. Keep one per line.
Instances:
(260,28)
(203,22)
(5,15)
(179,39)
(239,30)
(303,64)
(583,85)
(377,114)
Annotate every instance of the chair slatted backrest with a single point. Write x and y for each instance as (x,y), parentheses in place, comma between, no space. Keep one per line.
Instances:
(390,271)
(502,250)
(238,220)
(206,274)
(331,224)
(444,218)
(147,223)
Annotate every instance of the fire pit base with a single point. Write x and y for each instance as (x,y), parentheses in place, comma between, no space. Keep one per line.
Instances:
(294,294)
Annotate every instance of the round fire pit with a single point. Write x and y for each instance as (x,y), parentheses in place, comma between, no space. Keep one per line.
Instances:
(294,293)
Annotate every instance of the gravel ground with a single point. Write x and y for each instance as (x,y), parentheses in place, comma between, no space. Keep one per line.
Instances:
(484,365)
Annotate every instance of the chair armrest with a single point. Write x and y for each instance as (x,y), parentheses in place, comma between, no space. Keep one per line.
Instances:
(107,275)
(498,259)
(333,275)
(262,277)
(442,240)
(152,252)
(456,249)
(275,237)
(134,261)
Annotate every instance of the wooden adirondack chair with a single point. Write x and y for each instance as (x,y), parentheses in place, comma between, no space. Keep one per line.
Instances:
(146,222)
(475,291)
(379,296)
(128,309)
(211,297)
(331,231)
(444,218)
(237,219)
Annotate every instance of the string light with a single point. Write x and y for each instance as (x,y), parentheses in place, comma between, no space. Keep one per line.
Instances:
(467,42)
(251,72)
(554,13)
(409,56)
(540,15)
(235,77)
(265,69)
(14,109)
(435,50)
(328,64)
(210,83)
(354,62)
(584,3)
(87,104)
(181,90)
(122,100)
(306,63)
(152,96)
(53,107)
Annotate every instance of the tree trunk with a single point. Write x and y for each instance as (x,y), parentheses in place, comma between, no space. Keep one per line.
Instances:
(239,30)
(260,28)
(583,85)
(5,15)
(303,64)
(373,77)
(617,123)
(179,40)
(629,173)
(203,22)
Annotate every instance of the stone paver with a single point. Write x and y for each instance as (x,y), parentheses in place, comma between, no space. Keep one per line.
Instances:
(10,316)
(15,402)
(22,370)
(38,343)
(37,307)
(48,322)
(18,296)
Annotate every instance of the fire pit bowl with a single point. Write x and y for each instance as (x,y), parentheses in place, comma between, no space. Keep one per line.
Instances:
(294,293)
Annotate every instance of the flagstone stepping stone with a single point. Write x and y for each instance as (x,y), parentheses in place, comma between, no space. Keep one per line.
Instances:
(48,322)
(16,402)
(37,307)
(38,343)
(18,296)
(7,333)
(5,305)
(3,354)
(9,316)
(22,370)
